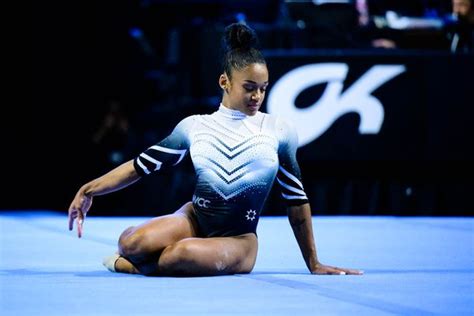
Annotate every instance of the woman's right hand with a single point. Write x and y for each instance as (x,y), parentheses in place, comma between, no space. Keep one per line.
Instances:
(78,210)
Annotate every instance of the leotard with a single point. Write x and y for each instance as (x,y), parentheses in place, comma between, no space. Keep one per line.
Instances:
(236,158)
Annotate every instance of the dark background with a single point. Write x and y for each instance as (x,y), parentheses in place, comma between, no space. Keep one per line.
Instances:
(81,55)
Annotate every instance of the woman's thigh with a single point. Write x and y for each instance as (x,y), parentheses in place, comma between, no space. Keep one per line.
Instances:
(156,234)
(210,256)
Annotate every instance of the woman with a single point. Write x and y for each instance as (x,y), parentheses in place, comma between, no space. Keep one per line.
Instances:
(237,152)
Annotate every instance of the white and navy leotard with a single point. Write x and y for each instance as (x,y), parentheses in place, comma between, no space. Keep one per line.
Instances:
(236,158)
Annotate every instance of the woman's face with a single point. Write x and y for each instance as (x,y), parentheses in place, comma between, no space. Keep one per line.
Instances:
(246,89)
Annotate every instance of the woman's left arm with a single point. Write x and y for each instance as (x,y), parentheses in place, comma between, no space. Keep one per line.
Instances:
(301,223)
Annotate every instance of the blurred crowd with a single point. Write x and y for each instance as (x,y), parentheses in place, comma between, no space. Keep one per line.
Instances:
(136,67)
(404,24)
(167,47)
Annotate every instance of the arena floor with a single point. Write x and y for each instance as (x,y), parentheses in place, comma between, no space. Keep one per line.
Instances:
(413,266)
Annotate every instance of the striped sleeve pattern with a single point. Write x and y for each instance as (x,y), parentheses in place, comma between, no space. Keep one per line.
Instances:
(289,174)
(291,188)
(156,157)
(168,152)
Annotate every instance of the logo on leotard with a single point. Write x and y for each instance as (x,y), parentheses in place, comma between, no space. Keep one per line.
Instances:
(251,215)
(201,202)
(313,121)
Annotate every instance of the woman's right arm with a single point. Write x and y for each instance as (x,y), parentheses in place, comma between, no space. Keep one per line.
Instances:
(168,152)
(114,180)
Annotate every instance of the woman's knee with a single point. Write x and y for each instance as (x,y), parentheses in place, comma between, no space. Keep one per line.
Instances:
(127,232)
(247,265)
(132,242)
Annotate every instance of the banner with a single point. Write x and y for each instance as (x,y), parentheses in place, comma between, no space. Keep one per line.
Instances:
(379,133)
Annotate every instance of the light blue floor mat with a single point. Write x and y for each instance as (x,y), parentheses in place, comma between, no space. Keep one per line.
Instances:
(413,266)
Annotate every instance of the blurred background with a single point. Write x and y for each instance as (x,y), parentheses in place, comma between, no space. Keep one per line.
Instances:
(107,79)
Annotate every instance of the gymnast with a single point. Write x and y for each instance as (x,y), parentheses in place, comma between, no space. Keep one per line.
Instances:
(237,153)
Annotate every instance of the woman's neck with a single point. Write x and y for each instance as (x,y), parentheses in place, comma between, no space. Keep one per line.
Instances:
(231,113)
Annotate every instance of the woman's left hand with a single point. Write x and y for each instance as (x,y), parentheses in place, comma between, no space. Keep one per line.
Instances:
(320,268)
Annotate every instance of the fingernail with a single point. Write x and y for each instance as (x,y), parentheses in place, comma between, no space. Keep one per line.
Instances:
(342,273)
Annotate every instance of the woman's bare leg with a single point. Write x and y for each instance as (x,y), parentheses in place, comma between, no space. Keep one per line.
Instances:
(125,266)
(168,245)
(141,246)
(209,256)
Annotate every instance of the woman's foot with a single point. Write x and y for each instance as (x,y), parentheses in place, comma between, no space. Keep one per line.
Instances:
(109,262)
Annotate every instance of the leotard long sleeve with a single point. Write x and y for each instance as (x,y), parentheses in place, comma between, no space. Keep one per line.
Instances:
(236,158)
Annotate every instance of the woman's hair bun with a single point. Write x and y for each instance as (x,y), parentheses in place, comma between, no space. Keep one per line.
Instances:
(239,35)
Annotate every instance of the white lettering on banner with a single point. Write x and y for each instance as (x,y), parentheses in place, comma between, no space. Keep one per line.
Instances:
(313,121)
